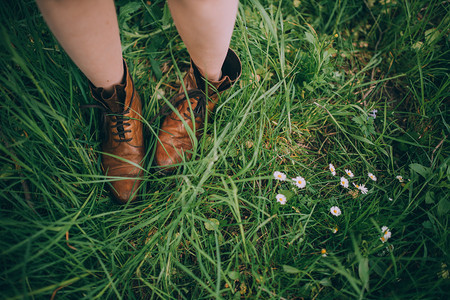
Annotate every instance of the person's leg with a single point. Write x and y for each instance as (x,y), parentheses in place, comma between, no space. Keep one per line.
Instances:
(206,28)
(89,33)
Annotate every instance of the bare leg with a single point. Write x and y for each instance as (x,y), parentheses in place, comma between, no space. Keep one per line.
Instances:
(89,33)
(206,28)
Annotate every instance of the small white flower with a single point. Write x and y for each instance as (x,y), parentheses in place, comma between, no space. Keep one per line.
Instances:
(386,234)
(349,173)
(390,199)
(335,211)
(371,176)
(323,252)
(332,169)
(400,178)
(335,229)
(344,182)
(281,199)
(373,114)
(299,181)
(279,176)
(363,189)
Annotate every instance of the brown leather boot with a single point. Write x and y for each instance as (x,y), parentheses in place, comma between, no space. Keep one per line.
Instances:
(122,137)
(174,140)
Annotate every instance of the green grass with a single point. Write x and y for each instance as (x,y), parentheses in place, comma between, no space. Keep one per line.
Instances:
(312,73)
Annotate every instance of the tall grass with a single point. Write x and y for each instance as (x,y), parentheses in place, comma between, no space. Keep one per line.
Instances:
(313,72)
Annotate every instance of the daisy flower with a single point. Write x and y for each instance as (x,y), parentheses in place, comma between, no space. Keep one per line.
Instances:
(335,211)
(332,169)
(349,173)
(390,199)
(386,234)
(344,182)
(399,177)
(299,181)
(323,252)
(361,187)
(371,176)
(335,229)
(281,199)
(386,231)
(279,176)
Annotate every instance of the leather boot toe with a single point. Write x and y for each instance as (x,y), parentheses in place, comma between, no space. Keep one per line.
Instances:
(125,189)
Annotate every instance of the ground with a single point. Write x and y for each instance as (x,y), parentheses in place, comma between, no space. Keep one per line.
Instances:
(359,85)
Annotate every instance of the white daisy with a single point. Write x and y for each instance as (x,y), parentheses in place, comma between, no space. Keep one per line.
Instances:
(332,169)
(399,177)
(363,189)
(279,176)
(299,181)
(371,176)
(349,173)
(335,229)
(281,199)
(344,182)
(323,252)
(386,234)
(335,211)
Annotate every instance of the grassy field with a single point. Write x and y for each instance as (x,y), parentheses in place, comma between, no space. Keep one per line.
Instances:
(361,85)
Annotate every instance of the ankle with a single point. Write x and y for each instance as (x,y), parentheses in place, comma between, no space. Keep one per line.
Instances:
(108,85)
(211,75)
(108,91)
(214,76)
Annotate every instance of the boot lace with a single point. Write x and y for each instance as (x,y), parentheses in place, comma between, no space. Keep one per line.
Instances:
(199,110)
(118,121)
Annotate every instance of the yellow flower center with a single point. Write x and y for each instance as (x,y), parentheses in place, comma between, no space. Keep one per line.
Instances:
(382,238)
(335,211)
(386,232)
(299,182)
(323,251)
(279,175)
(343,182)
